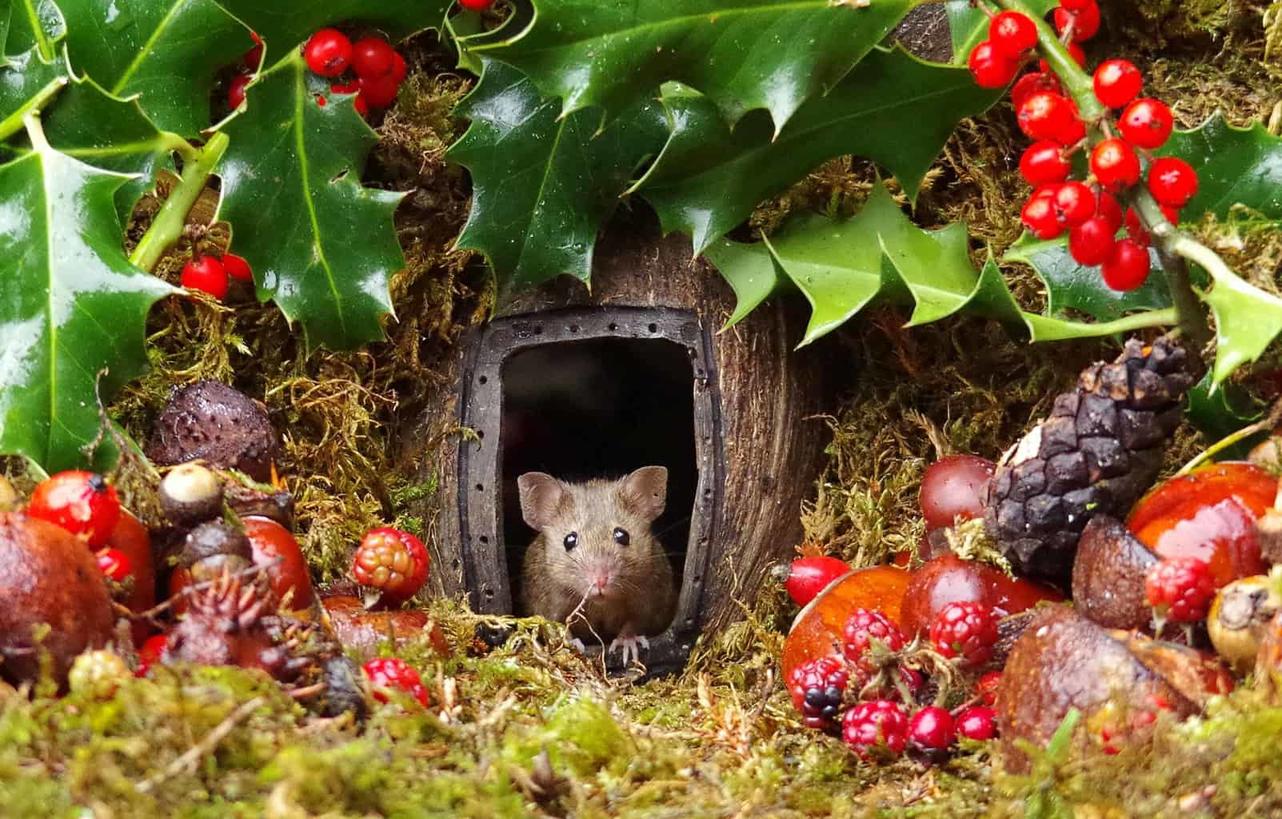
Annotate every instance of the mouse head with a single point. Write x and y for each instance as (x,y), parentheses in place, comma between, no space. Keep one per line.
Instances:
(597,534)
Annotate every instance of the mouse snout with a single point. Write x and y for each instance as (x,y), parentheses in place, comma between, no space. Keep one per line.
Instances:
(600,578)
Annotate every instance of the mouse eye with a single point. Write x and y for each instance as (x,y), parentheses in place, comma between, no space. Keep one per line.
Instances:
(621,536)
(571,540)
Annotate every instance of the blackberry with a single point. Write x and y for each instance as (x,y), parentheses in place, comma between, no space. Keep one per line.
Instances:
(817,688)
(1097,453)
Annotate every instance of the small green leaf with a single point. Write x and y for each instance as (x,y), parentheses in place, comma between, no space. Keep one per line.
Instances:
(1072,286)
(750,271)
(166,51)
(542,185)
(72,308)
(969,24)
(892,108)
(322,245)
(1246,320)
(31,65)
(1235,166)
(743,54)
(284,24)
(1218,412)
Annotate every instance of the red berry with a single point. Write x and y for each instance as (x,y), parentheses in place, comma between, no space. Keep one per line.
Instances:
(398,67)
(393,561)
(328,52)
(986,687)
(205,274)
(1046,115)
(1031,83)
(1146,123)
(114,564)
(1092,242)
(877,727)
(153,650)
(236,90)
(977,722)
(1074,203)
(952,488)
(237,267)
(361,106)
(81,502)
(991,68)
(1109,210)
(817,687)
(1127,267)
(1117,82)
(1012,34)
(932,729)
(386,673)
(1076,5)
(379,92)
(863,628)
(1172,181)
(254,56)
(351,87)
(965,630)
(1044,162)
(372,58)
(475,5)
(807,576)
(1180,589)
(1115,164)
(1039,217)
(1085,21)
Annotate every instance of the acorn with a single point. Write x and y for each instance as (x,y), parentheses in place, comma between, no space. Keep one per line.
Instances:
(213,546)
(1238,618)
(191,493)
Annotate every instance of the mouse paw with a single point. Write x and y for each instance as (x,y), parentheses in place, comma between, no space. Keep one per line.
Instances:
(630,647)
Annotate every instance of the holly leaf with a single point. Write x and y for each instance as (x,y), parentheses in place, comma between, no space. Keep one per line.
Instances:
(968,24)
(1235,166)
(542,185)
(320,244)
(168,52)
(893,108)
(32,69)
(72,308)
(1072,286)
(1217,412)
(283,24)
(1247,319)
(750,271)
(743,54)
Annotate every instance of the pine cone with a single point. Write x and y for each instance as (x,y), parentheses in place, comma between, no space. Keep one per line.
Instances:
(1097,453)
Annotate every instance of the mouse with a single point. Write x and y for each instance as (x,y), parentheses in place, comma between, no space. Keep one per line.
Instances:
(595,563)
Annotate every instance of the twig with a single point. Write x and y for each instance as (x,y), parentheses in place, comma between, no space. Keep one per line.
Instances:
(187,761)
(172,217)
(1268,422)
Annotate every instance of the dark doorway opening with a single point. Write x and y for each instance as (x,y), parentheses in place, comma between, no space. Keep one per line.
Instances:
(599,408)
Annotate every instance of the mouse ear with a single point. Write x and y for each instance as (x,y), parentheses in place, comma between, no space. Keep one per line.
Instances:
(541,498)
(645,491)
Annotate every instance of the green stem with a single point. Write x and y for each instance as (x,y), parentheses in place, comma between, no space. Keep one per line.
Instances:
(1135,321)
(172,217)
(13,123)
(1076,82)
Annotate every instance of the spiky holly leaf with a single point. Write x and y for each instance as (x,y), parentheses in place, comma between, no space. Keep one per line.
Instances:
(1217,412)
(1072,286)
(743,54)
(750,271)
(1247,319)
(892,108)
(320,244)
(166,51)
(842,266)
(283,25)
(543,185)
(1235,166)
(72,309)
(32,68)
(968,24)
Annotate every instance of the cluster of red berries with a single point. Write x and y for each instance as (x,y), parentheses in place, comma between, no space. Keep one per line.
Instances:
(870,694)
(1180,590)
(389,674)
(391,562)
(213,274)
(84,504)
(379,69)
(1088,210)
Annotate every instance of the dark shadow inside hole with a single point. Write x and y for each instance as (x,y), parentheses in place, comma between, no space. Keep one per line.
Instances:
(599,409)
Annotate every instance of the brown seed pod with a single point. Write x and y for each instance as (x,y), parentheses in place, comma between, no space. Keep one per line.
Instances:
(1108,575)
(212,422)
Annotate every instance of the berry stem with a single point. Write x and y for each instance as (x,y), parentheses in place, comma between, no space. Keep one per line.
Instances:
(171,219)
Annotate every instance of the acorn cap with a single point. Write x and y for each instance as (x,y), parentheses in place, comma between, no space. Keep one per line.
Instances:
(191,493)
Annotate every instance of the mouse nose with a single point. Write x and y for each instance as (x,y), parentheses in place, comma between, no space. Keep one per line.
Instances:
(599,581)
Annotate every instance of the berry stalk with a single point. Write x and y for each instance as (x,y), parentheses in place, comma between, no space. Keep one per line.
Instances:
(172,217)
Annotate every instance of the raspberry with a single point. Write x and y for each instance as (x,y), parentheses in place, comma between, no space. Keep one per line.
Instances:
(83,503)
(977,722)
(387,673)
(989,67)
(986,687)
(1039,216)
(1146,123)
(817,688)
(1115,164)
(877,727)
(1044,163)
(1180,589)
(1092,242)
(1117,82)
(1172,181)
(372,58)
(1074,203)
(1085,21)
(932,729)
(1030,84)
(1127,267)
(114,564)
(206,274)
(862,628)
(328,52)
(965,630)
(1046,115)
(237,267)
(1012,34)
(236,90)
(392,561)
